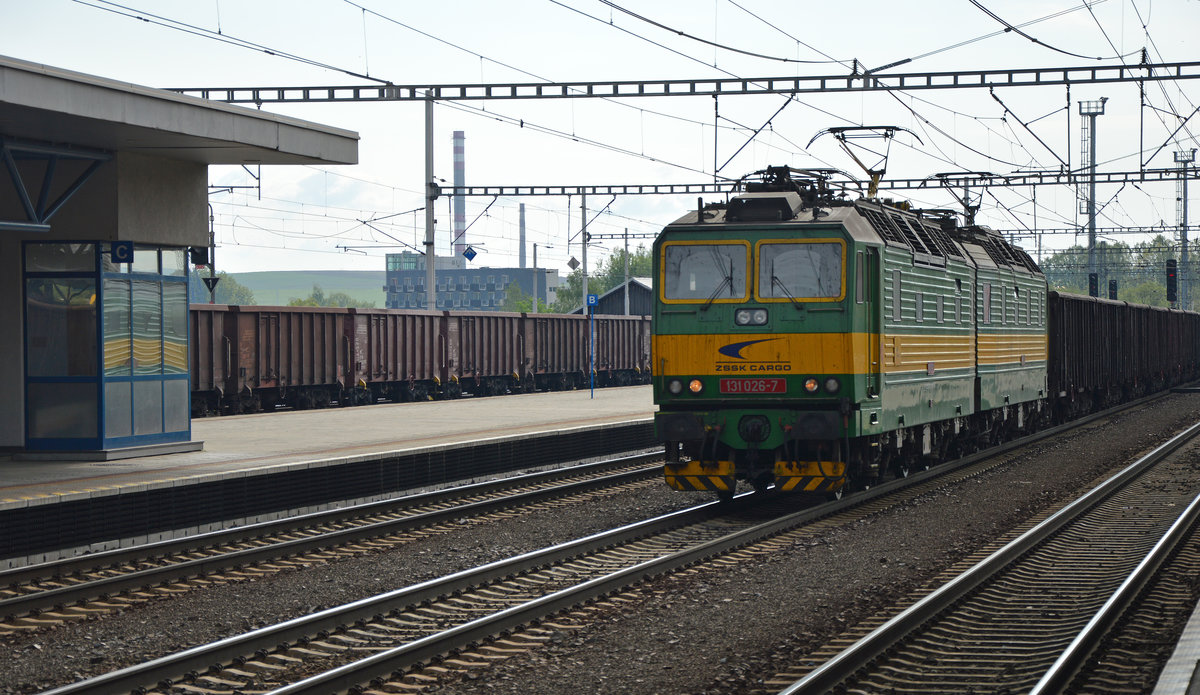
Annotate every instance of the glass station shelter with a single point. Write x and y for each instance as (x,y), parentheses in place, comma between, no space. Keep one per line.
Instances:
(103,200)
(106,359)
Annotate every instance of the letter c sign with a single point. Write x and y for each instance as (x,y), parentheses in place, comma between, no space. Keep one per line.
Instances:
(121,252)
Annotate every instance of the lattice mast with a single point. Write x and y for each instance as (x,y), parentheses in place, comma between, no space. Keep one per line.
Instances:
(1087,152)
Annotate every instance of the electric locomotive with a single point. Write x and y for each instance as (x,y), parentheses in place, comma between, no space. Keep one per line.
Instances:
(817,343)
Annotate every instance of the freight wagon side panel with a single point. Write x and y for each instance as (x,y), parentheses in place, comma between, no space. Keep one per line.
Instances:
(449,362)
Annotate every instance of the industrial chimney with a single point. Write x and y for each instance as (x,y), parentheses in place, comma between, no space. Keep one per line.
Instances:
(521,236)
(460,202)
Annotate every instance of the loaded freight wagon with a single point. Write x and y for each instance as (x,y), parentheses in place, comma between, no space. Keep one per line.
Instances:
(255,358)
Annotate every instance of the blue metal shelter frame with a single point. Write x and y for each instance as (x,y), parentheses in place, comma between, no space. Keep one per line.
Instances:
(106,346)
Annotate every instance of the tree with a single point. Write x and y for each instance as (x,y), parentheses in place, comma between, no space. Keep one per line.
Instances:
(338,299)
(516,300)
(1151,293)
(609,273)
(569,295)
(228,290)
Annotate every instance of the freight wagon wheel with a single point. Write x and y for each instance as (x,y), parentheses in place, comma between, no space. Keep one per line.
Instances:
(725,496)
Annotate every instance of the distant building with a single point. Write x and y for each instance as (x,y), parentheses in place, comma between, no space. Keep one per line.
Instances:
(474,289)
(641,299)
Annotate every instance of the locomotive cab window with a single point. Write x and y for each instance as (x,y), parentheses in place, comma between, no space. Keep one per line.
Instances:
(809,270)
(702,272)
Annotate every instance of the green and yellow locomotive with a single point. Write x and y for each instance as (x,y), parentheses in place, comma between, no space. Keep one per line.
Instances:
(813,343)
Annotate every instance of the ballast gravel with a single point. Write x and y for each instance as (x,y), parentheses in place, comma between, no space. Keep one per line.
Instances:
(709,631)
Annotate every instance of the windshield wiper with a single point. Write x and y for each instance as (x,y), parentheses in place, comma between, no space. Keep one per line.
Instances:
(776,282)
(728,280)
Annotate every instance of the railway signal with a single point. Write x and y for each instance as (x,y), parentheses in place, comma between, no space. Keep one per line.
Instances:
(1172,282)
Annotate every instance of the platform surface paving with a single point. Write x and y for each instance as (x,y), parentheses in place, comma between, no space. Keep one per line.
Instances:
(242,443)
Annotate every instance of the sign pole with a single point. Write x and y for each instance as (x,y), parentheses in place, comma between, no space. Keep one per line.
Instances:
(592,301)
(592,348)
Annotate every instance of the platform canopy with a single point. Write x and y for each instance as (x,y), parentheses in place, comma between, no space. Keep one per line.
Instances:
(45,104)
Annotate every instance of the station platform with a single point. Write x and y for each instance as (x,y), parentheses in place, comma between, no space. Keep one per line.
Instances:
(243,443)
(255,467)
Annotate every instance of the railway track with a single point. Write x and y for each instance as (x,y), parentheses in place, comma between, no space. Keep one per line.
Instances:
(1028,617)
(44,595)
(403,638)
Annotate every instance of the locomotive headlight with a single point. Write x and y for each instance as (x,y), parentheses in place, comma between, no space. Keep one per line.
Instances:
(695,386)
(750,317)
(811,385)
(675,386)
(832,385)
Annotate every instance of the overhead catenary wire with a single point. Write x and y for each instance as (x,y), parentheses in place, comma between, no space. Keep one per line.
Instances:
(141,15)
(1016,142)
(714,44)
(1018,32)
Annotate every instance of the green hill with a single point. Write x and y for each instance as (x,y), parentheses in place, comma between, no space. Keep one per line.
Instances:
(277,287)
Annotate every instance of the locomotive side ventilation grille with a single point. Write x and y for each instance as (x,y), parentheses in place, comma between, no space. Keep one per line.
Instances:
(939,236)
(929,240)
(1003,253)
(883,226)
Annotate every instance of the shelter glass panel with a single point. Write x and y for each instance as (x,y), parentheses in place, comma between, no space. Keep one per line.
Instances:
(61,410)
(147,407)
(145,260)
(118,409)
(174,262)
(175,327)
(60,326)
(118,341)
(147,327)
(60,258)
(176,405)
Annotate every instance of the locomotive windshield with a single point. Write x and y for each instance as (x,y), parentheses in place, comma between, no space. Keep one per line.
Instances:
(800,270)
(704,272)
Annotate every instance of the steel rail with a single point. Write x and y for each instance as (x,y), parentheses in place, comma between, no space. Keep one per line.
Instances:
(27,603)
(846,663)
(1075,656)
(388,662)
(198,659)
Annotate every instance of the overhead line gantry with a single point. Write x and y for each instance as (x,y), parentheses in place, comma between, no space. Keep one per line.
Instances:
(1041,178)
(854,82)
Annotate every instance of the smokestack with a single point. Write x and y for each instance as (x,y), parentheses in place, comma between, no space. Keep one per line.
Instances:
(522,236)
(460,202)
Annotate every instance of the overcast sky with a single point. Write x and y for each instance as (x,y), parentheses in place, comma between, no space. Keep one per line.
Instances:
(307,213)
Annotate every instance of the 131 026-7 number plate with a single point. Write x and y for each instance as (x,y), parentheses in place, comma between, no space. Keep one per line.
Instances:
(753,386)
